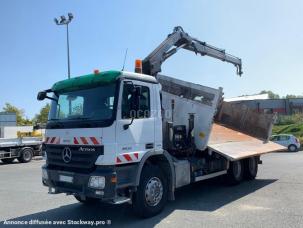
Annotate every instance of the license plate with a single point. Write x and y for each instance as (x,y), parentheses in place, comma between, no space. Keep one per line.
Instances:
(67,179)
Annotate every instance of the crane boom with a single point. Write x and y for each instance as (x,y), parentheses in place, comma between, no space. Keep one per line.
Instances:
(151,65)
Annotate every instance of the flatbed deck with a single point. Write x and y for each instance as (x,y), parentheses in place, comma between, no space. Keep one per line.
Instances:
(19,142)
(236,145)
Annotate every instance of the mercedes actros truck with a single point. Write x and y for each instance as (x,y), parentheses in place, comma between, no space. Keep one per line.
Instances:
(118,136)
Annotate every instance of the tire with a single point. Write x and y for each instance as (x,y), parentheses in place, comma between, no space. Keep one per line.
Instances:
(26,155)
(250,168)
(292,148)
(88,200)
(7,160)
(151,195)
(235,172)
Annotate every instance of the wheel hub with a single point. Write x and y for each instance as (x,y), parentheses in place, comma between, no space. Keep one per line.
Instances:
(153,191)
(26,155)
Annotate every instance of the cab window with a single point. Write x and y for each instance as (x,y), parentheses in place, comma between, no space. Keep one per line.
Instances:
(144,103)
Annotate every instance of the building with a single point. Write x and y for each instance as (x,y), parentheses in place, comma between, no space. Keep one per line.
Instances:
(281,106)
(8,119)
(8,125)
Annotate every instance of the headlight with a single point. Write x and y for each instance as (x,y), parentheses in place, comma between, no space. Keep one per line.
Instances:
(44,174)
(96,182)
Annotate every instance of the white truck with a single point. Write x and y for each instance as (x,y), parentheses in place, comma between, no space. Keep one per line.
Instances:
(120,137)
(22,148)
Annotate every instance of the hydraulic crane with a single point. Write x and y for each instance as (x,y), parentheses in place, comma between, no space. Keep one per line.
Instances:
(151,65)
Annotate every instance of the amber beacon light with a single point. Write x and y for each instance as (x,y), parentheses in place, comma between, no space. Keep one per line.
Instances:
(138,66)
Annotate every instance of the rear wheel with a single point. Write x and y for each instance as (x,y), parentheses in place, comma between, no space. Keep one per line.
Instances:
(292,148)
(251,168)
(151,195)
(26,155)
(7,160)
(235,172)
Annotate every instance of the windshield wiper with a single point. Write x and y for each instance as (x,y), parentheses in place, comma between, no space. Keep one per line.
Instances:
(78,118)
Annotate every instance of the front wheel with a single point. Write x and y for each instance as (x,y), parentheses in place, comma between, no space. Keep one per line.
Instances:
(151,195)
(235,172)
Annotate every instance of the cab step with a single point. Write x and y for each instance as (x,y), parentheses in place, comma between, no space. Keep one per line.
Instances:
(121,200)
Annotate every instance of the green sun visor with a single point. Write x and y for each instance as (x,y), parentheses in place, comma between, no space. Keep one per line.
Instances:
(86,81)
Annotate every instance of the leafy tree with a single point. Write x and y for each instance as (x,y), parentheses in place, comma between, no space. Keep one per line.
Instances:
(293,96)
(26,122)
(271,94)
(43,115)
(21,120)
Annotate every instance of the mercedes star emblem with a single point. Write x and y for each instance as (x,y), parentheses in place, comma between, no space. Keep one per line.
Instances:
(66,155)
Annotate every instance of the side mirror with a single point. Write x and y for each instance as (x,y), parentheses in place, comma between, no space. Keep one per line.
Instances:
(41,95)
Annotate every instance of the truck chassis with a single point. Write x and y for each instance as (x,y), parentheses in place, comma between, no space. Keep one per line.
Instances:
(21,148)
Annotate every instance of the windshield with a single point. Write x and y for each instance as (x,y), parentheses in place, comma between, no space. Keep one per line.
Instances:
(87,104)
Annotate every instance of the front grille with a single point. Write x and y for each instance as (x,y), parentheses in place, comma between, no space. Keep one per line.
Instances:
(83,157)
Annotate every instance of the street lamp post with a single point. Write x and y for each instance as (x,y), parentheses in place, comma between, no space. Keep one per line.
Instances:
(64,21)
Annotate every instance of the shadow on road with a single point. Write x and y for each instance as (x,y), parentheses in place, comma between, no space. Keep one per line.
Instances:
(204,196)
(16,162)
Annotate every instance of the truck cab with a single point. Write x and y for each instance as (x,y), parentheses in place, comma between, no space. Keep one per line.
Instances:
(100,127)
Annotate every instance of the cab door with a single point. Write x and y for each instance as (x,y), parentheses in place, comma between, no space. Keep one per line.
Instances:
(135,128)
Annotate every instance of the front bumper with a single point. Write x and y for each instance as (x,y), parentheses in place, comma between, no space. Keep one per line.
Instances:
(298,146)
(79,183)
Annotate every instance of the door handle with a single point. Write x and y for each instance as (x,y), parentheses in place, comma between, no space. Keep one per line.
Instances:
(149,146)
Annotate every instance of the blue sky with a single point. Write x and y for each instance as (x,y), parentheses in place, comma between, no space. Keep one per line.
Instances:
(267,35)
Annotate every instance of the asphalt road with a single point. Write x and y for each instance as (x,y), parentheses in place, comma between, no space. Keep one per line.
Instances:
(274,199)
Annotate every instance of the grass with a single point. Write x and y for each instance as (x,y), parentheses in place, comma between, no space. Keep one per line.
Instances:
(290,119)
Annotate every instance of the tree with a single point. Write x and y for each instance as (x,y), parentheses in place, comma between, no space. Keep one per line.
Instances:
(21,120)
(293,96)
(271,94)
(43,115)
